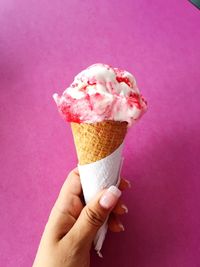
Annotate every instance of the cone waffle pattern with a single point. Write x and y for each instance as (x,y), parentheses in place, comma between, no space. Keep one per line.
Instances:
(96,141)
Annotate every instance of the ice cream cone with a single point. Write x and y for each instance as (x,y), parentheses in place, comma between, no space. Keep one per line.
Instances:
(96,141)
(100,104)
(98,147)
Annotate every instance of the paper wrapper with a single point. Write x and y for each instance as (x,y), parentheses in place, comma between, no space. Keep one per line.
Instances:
(97,176)
(99,148)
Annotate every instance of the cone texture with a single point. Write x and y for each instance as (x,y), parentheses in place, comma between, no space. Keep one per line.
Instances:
(96,141)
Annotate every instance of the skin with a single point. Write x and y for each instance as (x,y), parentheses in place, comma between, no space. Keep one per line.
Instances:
(71,227)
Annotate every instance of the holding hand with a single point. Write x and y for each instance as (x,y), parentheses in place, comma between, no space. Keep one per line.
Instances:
(71,227)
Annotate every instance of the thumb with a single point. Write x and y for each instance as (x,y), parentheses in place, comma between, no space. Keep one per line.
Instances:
(94,215)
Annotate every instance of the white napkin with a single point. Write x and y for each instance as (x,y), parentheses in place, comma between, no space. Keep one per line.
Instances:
(97,176)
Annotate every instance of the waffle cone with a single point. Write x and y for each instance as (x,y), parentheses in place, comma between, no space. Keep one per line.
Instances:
(95,141)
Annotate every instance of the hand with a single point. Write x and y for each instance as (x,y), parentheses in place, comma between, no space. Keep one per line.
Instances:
(71,227)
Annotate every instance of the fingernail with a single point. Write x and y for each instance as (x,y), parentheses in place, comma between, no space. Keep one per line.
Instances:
(121,227)
(124,208)
(110,197)
(128,183)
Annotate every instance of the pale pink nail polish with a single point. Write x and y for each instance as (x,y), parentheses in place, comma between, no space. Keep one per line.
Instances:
(121,227)
(124,208)
(128,182)
(110,197)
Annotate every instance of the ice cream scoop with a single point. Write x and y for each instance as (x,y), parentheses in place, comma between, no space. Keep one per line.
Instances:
(102,93)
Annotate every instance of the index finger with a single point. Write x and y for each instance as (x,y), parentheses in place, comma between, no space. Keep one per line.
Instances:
(72,184)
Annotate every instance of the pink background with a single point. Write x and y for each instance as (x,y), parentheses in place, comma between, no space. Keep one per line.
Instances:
(43,44)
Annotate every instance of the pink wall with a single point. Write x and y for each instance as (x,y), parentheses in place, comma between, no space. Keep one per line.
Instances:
(43,44)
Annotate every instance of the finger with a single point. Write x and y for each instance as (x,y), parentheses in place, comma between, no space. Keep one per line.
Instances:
(69,195)
(72,184)
(120,208)
(124,184)
(66,209)
(93,216)
(114,224)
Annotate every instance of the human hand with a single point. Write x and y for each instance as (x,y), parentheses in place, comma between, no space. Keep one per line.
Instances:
(71,227)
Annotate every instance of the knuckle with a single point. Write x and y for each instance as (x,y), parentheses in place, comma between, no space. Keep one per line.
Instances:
(94,218)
